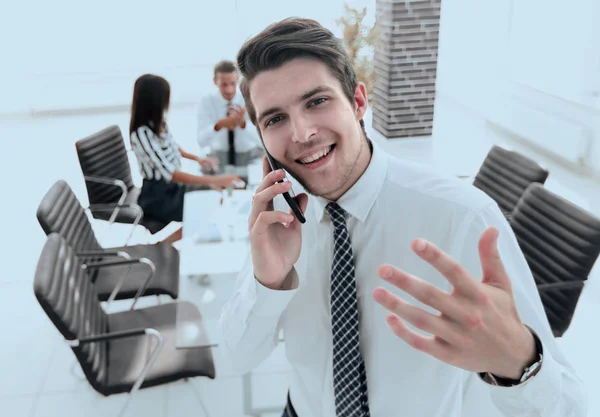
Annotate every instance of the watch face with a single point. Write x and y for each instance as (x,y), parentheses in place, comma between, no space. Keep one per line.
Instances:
(532,370)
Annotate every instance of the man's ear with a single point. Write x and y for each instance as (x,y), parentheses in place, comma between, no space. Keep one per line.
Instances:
(360,100)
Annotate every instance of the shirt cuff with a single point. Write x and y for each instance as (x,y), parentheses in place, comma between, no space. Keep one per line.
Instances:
(270,302)
(539,392)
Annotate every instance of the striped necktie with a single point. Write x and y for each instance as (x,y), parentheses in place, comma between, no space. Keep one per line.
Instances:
(349,375)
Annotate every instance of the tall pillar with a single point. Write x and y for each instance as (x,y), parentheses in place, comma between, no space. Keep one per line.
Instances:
(406,65)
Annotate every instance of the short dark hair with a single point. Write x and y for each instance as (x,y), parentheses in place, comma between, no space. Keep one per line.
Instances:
(289,39)
(224,67)
(151,96)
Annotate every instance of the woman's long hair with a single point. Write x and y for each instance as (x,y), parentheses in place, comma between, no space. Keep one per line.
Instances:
(151,95)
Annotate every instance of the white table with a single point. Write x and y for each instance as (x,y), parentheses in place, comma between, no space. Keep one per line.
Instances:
(215,234)
(215,241)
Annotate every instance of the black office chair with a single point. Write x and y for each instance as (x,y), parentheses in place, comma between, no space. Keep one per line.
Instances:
(107,173)
(119,352)
(561,243)
(141,269)
(505,175)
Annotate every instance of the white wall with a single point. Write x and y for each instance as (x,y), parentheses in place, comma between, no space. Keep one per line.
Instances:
(527,69)
(70,54)
(65,54)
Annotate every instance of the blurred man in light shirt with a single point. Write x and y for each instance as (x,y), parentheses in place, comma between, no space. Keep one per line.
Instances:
(223,126)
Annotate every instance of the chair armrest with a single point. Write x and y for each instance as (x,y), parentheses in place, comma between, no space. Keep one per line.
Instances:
(118,262)
(107,254)
(115,208)
(561,286)
(127,262)
(127,333)
(107,336)
(115,182)
(119,254)
(109,181)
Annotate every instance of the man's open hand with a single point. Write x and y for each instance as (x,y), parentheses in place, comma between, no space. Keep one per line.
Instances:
(478,327)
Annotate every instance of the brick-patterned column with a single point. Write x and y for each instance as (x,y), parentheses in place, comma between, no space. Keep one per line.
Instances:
(406,65)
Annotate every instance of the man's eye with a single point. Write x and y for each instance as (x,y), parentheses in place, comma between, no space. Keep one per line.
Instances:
(317,101)
(274,120)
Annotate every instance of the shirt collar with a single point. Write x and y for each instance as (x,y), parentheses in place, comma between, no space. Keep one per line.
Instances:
(359,199)
(235,100)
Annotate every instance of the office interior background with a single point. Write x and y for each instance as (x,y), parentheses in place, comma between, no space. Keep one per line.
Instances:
(524,75)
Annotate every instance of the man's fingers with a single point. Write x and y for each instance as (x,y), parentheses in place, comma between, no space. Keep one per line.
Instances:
(421,319)
(448,267)
(266,196)
(260,201)
(263,200)
(266,166)
(267,218)
(423,291)
(492,266)
(433,346)
(270,179)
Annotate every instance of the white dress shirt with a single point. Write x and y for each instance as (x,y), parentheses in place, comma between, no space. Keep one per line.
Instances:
(213,108)
(393,203)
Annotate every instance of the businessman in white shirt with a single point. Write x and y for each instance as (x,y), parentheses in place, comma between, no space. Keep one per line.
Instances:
(223,125)
(404,290)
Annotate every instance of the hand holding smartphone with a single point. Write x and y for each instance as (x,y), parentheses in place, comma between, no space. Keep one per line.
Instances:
(289,196)
(275,235)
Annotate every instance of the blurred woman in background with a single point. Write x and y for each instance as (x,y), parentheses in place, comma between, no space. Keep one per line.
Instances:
(159,156)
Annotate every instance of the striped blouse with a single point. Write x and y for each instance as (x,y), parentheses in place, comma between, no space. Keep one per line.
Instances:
(158,156)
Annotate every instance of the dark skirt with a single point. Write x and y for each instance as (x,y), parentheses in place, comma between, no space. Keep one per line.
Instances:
(162,201)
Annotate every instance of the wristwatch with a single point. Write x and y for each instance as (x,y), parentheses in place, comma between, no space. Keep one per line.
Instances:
(529,371)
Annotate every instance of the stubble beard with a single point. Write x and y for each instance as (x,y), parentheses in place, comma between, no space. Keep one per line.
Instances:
(347,169)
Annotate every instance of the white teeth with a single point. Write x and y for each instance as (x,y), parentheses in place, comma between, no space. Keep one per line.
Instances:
(315,156)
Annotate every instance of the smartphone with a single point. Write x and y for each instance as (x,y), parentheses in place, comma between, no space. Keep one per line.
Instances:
(289,196)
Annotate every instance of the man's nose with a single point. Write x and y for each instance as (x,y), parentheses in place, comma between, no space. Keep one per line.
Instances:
(302,129)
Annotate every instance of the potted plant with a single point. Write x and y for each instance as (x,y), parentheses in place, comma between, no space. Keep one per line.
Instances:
(360,40)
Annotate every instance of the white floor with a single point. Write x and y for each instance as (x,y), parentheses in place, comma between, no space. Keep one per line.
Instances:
(35,377)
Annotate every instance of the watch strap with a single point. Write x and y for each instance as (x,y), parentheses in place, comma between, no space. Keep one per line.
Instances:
(530,370)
